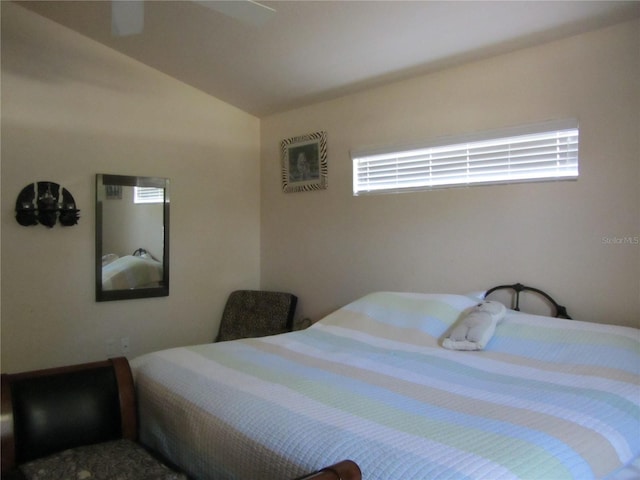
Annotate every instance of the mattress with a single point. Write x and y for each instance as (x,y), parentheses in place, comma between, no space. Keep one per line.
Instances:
(131,271)
(546,399)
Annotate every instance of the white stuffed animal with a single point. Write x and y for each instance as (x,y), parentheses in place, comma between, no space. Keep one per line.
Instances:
(475,330)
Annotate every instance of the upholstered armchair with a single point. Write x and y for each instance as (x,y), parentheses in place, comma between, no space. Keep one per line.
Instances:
(256,313)
(78,421)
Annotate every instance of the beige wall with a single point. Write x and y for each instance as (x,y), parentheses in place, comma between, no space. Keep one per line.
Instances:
(72,108)
(330,247)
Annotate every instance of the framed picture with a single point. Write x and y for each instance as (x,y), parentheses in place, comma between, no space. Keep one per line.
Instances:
(304,162)
(113,192)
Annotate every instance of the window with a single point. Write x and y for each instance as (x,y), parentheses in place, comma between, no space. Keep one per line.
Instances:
(148,195)
(546,151)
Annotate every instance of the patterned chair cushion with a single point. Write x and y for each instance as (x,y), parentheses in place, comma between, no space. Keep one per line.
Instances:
(116,460)
(256,313)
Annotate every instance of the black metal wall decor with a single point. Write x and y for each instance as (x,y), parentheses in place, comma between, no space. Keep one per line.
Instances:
(45,203)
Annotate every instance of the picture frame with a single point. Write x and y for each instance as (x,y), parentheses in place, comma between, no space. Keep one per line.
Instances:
(113,192)
(304,162)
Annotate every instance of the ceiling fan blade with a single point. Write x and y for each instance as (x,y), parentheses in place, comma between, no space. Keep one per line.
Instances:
(127,17)
(246,11)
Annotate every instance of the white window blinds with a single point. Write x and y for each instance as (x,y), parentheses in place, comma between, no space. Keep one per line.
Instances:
(539,152)
(148,195)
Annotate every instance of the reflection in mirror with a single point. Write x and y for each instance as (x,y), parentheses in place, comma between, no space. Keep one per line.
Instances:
(132,237)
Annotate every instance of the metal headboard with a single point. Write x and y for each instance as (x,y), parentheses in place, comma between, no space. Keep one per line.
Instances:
(561,311)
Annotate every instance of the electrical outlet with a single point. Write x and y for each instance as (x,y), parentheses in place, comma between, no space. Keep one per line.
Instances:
(124,345)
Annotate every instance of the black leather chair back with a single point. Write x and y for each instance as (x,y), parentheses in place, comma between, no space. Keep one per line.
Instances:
(47,411)
(63,411)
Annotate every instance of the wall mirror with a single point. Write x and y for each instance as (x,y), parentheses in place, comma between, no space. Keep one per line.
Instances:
(132,237)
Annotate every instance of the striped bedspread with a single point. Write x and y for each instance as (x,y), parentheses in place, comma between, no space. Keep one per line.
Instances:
(547,399)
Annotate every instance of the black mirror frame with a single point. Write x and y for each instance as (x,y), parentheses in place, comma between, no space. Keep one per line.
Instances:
(130,181)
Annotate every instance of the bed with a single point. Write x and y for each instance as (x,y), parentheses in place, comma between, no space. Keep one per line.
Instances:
(130,271)
(547,398)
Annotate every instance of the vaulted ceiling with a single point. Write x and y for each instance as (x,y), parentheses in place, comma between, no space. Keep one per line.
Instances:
(309,51)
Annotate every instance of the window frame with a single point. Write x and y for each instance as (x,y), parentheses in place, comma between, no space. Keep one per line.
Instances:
(157,197)
(388,178)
